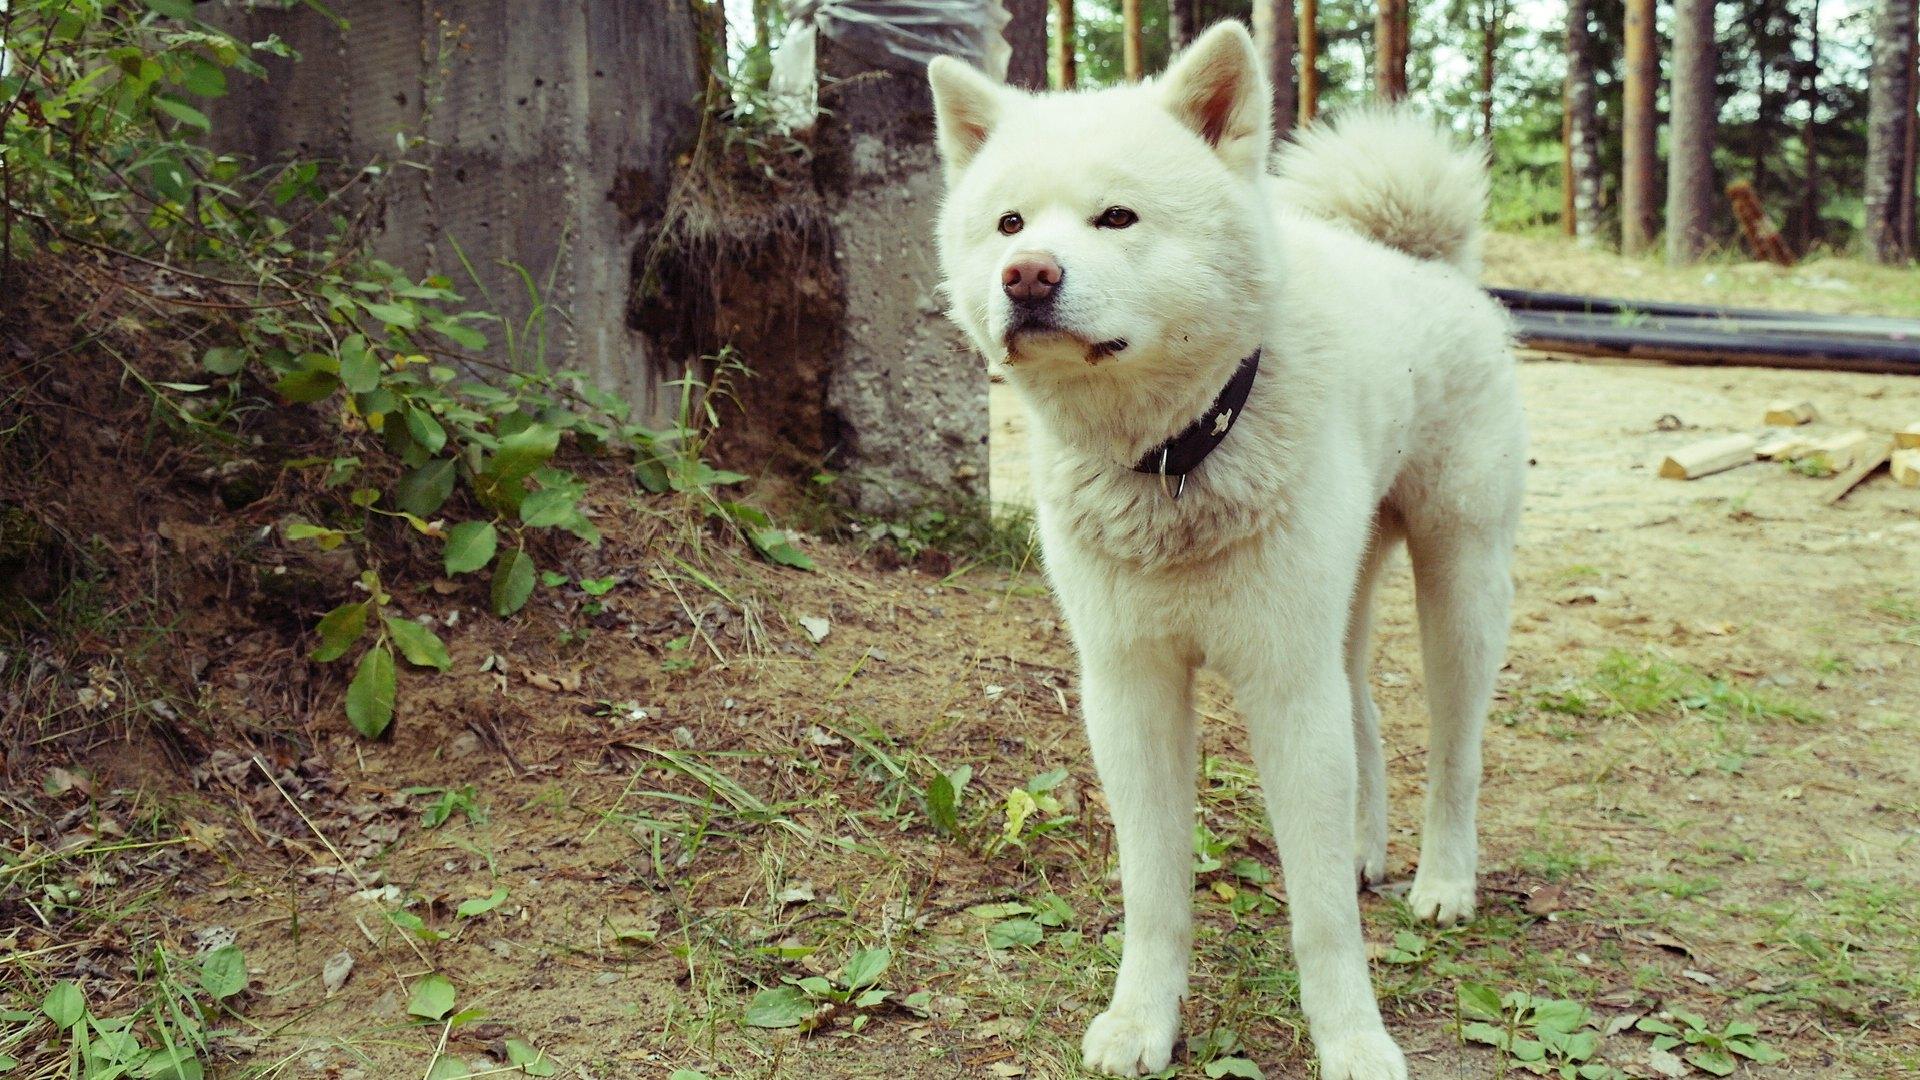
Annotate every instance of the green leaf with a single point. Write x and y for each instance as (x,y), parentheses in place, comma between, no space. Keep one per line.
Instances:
(866,967)
(871,997)
(512,582)
(338,630)
(548,507)
(1013,932)
(522,452)
(943,805)
(392,314)
(532,1062)
(203,78)
(359,365)
(224,360)
(776,547)
(1478,1001)
(480,905)
(781,1007)
(182,112)
(1717,1062)
(432,998)
(1234,1067)
(172,1063)
(447,1067)
(1757,1051)
(425,489)
(64,1004)
(421,646)
(370,694)
(224,972)
(1482,1032)
(470,546)
(425,429)
(307,385)
(464,336)
(1562,1016)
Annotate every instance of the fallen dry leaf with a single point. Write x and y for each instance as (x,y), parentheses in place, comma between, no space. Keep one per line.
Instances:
(817,628)
(336,971)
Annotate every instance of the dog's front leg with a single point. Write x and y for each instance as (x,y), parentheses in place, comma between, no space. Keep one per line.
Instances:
(1139,709)
(1299,729)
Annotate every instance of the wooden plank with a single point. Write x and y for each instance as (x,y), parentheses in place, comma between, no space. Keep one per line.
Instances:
(1791,413)
(1908,438)
(1708,457)
(1905,467)
(1872,457)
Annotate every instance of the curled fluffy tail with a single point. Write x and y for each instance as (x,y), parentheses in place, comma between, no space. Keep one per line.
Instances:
(1393,176)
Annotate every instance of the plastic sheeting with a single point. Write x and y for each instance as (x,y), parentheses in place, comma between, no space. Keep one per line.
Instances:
(896,35)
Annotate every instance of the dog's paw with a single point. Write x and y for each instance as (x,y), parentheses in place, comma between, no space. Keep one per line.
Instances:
(1370,859)
(1129,1042)
(1366,1055)
(1439,900)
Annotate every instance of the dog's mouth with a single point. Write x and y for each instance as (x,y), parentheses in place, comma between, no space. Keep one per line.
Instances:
(1031,337)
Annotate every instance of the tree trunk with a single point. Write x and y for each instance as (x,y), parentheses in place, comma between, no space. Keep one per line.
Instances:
(1182,20)
(1691,133)
(1130,40)
(1638,126)
(1913,132)
(1809,232)
(1026,35)
(1274,34)
(1390,49)
(1493,17)
(1309,63)
(1582,128)
(1888,120)
(1065,66)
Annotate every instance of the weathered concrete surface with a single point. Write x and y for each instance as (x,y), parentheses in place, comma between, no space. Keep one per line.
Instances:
(909,395)
(550,133)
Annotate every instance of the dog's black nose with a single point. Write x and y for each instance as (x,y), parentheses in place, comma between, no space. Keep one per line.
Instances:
(1031,279)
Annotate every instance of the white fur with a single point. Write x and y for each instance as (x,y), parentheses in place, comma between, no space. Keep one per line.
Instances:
(1385,410)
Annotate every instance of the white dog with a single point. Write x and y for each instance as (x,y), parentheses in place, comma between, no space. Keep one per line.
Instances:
(1245,390)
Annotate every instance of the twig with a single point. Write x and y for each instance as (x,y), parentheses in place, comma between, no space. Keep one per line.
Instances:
(344,864)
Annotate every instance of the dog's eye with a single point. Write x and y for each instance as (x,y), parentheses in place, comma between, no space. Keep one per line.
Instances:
(1010,224)
(1116,217)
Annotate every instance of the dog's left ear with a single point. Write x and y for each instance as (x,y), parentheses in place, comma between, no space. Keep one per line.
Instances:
(966,106)
(1216,88)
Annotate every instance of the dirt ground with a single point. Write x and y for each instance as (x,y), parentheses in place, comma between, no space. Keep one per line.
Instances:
(662,803)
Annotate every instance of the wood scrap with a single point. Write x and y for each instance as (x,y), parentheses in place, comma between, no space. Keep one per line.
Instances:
(1905,466)
(1908,438)
(1790,413)
(1838,453)
(1871,456)
(1708,457)
(1785,446)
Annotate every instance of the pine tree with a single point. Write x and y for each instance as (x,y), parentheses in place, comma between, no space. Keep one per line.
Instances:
(1274,33)
(1026,35)
(1889,118)
(1692,132)
(1581,132)
(1637,137)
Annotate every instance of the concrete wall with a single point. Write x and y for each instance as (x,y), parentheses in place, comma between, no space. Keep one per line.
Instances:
(538,133)
(909,395)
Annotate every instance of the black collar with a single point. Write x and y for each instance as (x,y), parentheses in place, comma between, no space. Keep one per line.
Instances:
(1184,452)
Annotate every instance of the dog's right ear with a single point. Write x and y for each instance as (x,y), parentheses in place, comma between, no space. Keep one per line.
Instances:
(966,106)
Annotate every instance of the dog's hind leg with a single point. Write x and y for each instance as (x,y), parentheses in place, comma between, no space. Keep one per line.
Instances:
(1463,587)
(1139,706)
(1370,795)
